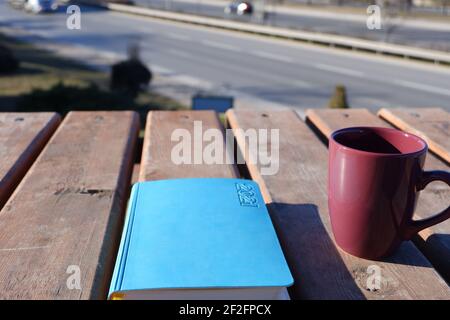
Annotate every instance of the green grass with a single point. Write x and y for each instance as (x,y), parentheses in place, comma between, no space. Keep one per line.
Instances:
(43,70)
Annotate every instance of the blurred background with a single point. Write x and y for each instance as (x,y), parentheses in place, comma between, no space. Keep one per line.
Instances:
(160,54)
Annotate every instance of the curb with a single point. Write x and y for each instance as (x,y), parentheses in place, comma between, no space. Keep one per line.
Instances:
(433,56)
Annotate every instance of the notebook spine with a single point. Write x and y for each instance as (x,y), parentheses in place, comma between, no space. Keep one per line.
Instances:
(124,242)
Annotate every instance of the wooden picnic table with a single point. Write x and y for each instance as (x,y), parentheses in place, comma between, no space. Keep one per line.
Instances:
(64,186)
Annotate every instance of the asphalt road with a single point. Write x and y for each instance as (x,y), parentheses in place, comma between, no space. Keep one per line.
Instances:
(394,30)
(273,70)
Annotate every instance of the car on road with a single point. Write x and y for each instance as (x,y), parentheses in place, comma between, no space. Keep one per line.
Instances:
(239,8)
(38,6)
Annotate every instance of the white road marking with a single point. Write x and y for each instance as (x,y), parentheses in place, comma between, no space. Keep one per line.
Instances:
(248,72)
(145,30)
(180,53)
(272,56)
(178,36)
(375,102)
(220,45)
(422,87)
(302,84)
(344,71)
(160,69)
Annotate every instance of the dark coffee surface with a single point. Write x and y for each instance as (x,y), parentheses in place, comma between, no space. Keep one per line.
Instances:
(367,141)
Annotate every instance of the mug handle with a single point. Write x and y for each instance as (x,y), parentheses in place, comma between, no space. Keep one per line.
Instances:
(417,225)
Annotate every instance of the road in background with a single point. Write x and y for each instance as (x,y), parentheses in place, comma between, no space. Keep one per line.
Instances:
(287,73)
(402,31)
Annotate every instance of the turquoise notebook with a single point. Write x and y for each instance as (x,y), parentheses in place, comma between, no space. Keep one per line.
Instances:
(205,238)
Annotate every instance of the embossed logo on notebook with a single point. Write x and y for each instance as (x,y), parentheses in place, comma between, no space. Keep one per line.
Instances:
(247,195)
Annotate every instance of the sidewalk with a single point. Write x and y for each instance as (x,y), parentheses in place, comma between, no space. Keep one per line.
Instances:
(343,21)
(339,13)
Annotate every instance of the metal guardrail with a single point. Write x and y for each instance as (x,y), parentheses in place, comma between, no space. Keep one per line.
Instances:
(437,57)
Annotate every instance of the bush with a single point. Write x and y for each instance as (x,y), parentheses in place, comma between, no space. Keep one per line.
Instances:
(8,63)
(61,98)
(339,98)
(130,76)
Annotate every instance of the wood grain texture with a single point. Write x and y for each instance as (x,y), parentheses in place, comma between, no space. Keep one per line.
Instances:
(135,174)
(432,124)
(329,120)
(434,242)
(156,162)
(68,210)
(297,199)
(22,137)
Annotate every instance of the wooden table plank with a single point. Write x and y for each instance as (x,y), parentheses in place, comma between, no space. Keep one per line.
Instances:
(68,210)
(135,173)
(22,137)
(432,124)
(297,199)
(434,242)
(156,162)
(329,120)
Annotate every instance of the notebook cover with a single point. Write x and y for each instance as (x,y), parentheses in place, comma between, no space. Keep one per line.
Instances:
(198,233)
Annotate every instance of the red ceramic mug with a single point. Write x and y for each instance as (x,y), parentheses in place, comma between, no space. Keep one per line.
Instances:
(375,175)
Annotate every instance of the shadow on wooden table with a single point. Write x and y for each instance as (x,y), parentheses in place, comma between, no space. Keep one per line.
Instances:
(316,265)
(433,245)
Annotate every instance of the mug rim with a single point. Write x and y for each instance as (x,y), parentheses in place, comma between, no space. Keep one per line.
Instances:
(424,149)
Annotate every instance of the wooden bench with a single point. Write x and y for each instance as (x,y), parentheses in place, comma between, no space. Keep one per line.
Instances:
(69,207)
(68,210)
(22,137)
